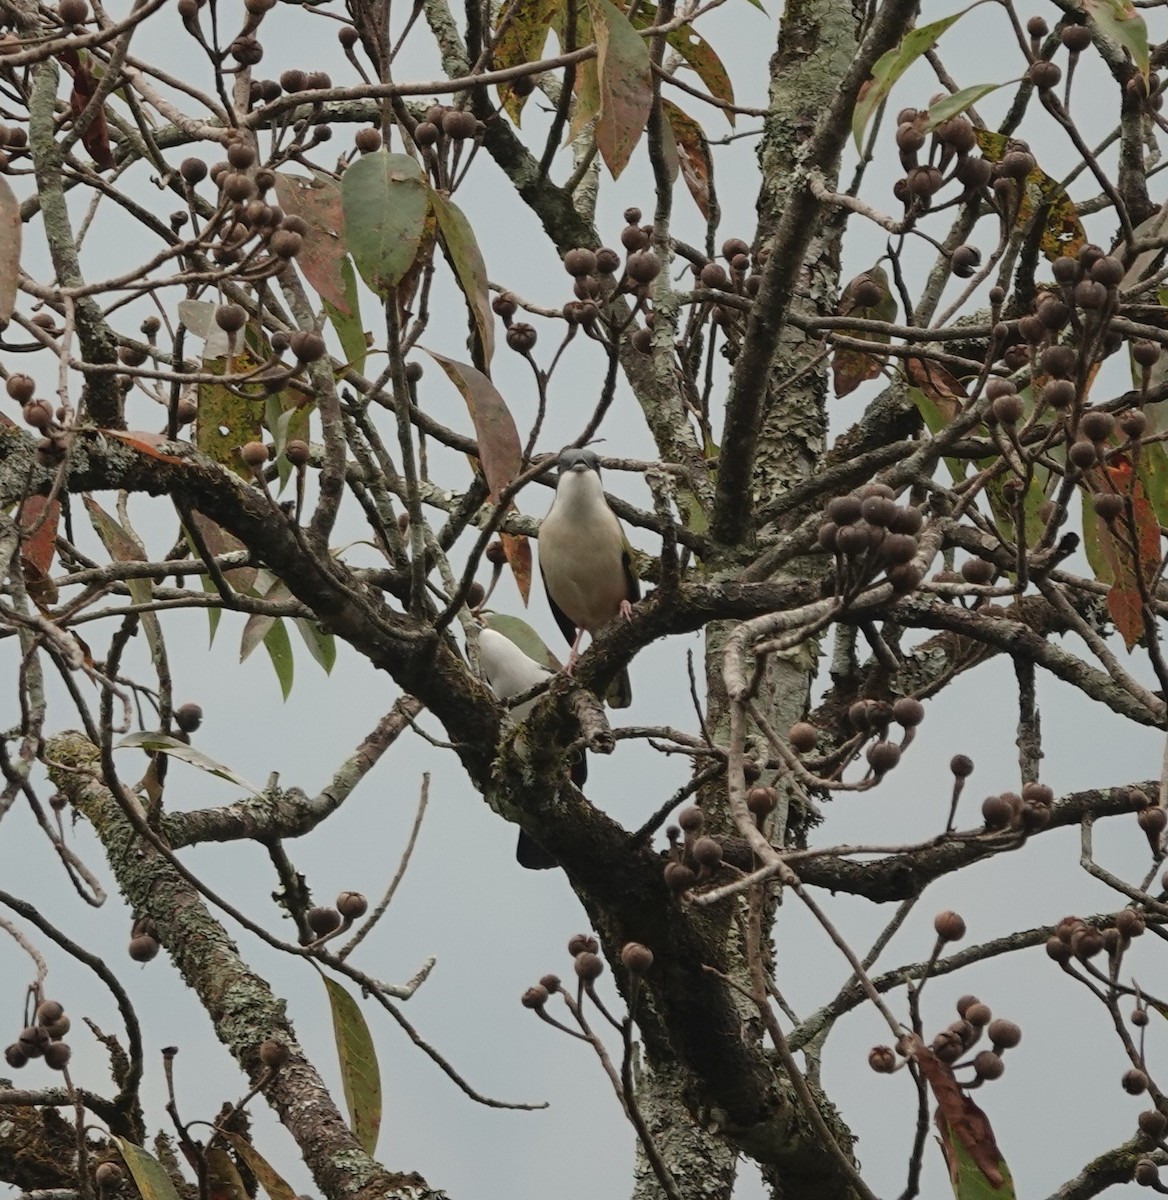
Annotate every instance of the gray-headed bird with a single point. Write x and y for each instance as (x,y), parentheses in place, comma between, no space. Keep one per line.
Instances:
(509,673)
(586,562)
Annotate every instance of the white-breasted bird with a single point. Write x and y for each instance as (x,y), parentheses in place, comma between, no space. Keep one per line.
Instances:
(585,561)
(510,672)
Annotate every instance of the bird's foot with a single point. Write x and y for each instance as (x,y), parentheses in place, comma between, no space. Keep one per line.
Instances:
(573,659)
(626,610)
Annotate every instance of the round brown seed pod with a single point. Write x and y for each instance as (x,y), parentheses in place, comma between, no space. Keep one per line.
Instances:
(368,140)
(988,1065)
(643,267)
(73,12)
(1153,1123)
(803,736)
(297,452)
(274,1054)
(961,765)
(707,852)
(1076,38)
(1058,361)
(908,712)
(882,1060)
(582,943)
(535,997)
(352,905)
(949,926)
(1005,1035)
(108,1174)
(977,1014)
(1134,1082)
(580,261)
(1146,1173)
(57,1055)
(49,1011)
(762,800)
(1109,506)
(521,337)
(16,1056)
(306,344)
(883,756)
(588,966)
(691,818)
(1130,922)
(143,948)
(1045,75)
(978,571)
(997,812)
(637,959)
(1097,425)
(254,454)
(322,920)
(679,877)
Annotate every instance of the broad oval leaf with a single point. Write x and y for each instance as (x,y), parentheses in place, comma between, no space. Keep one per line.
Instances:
(891,65)
(321,645)
(958,102)
(386,203)
(161,743)
(462,249)
(317,201)
(360,1076)
(626,84)
(517,630)
(270,1179)
(1119,20)
(693,154)
(11,232)
(150,1177)
(226,420)
(495,432)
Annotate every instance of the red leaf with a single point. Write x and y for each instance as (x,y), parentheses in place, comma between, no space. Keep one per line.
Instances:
(943,388)
(693,154)
(95,139)
(317,201)
(1130,560)
(37,549)
(144,442)
(626,84)
(958,1116)
(518,550)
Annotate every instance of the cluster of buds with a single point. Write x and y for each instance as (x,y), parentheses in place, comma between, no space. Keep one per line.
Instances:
(955,1042)
(52,424)
(42,1039)
(695,856)
(949,158)
(327,921)
(1027,812)
(444,137)
(1075,938)
(870,534)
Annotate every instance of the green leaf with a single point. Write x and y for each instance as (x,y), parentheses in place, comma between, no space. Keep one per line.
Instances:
(360,1076)
(149,1176)
(322,646)
(279,648)
(587,106)
(223,1179)
(693,154)
(1119,21)
(123,546)
(935,420)
(226,420)
(522,634)
(969,1181)
(958,102)
(270,1179)
(349,327)
(498,440)
(161,743)
(522,40)
(891,65)
(462,249)
(11,231)
(626,84)
(386,203)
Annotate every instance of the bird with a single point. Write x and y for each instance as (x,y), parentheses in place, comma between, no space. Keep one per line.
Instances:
(586,561)
(510,672)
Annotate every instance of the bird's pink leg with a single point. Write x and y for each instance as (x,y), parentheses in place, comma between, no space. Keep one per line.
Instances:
(626,610)
(574,653)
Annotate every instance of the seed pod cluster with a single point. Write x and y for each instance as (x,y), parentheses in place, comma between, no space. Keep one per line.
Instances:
(42,1039)
(948,157)
(870,534)
(1028,812)
(975,1021)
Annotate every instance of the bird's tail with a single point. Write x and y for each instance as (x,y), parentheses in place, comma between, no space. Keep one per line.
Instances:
(620,691)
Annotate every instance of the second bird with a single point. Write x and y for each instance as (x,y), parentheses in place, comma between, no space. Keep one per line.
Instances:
(585,561)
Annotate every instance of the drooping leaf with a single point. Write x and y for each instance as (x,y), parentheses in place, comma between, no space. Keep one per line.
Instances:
(225,419)
(968,1179)
(849,368)
(360,1076)
(11,233)
(270,1179)
(462,249)
(498,440)
(317,201)
(1062,230)
(161,743)
(279,647)
(223,1179)
(38,549)
(940,384)
(321,645)
(95,139)
(693,154)
(626,84)
(386,203)
(522,40)
(522,634)
(963,1123)
(934,414)
(517,548)
(1119,20)
(587,106)
(958,102)
(697,53)
(350,329)
(1131,550)
(150,1177)
(123,546)
(891,65)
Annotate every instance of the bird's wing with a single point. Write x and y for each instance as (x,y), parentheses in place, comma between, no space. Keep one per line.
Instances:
(631,581)
(567,628)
